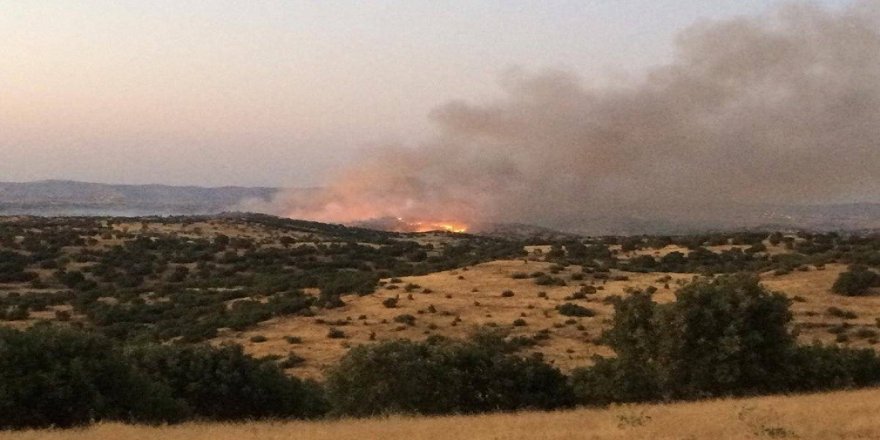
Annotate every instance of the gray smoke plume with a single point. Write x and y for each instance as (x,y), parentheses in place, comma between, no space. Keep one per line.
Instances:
(761,110)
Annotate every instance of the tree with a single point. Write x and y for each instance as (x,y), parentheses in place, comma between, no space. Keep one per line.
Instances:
(226,384)
(53,376)
(724,336)
(856,281)
(441,377)
(727,336)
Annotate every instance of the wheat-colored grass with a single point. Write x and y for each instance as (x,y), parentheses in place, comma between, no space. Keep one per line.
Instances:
(474,295)
(839,415)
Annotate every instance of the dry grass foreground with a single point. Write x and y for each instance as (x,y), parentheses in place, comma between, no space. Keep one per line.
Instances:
(839,415)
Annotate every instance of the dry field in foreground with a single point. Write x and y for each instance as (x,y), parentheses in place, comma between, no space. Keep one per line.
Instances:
(839,415)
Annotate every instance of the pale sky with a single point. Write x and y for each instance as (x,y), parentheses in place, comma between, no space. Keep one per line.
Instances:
(277,93)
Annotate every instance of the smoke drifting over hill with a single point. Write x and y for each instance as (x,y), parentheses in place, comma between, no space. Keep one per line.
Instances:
(777,109)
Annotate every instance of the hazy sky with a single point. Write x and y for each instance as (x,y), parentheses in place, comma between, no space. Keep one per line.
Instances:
(279,93)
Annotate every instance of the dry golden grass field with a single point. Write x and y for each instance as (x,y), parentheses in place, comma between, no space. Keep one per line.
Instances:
(466,299)
(839,415)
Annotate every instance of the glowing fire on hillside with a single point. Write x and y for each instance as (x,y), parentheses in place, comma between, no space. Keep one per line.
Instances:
(401,224)
(427,226)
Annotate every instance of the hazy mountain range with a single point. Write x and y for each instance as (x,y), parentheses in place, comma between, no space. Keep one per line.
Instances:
(60,198)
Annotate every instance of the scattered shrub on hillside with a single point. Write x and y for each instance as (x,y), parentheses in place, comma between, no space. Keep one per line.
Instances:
(335,333)
(292,360)
(841,313)
(547,280)
(571,309)
(405,318)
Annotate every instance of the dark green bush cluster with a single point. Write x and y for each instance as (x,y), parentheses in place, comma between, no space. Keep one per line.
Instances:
(722,337)
(856,281)
(226,384)
(572,309)
(65,378)
(13,268)
(442,377)
(61,377)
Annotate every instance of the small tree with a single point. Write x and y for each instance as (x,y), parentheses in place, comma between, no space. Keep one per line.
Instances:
(720,337)
(857,281)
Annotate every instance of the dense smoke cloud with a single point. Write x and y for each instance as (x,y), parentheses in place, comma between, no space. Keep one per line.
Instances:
(776,109)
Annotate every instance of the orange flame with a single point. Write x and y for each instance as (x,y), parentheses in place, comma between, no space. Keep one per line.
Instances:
(428,226)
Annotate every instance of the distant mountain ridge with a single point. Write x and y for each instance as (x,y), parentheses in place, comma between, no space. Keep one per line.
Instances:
(64,197)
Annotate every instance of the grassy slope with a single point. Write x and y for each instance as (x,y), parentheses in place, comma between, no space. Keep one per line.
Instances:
(839,415)
(567,347)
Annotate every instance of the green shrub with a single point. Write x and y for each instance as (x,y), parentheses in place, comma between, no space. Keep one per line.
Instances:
(571,309)
(60,377)
(335,333)
(405,319)
(727,336)
(856,281)
(442,377)
(226,384)
(292,361)
(837,312)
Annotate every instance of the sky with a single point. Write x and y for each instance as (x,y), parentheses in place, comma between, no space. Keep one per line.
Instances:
(284,93)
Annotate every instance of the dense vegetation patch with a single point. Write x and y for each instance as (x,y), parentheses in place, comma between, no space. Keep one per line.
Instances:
(856,281)
(51,376)
(442,376)
(721,337)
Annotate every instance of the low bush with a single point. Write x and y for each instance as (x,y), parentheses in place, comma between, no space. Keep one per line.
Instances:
(856,281)
(442,377)
(571,309)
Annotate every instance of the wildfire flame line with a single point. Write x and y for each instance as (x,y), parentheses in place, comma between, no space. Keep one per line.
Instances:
(426,226)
